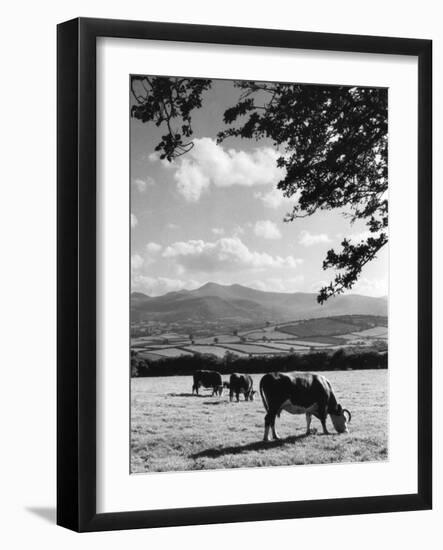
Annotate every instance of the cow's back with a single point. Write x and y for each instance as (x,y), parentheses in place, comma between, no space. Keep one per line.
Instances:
(198,375)
(240,382)
(311,384)
(301,388)
(209,378)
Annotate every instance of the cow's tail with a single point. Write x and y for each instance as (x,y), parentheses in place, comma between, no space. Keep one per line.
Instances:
(263,395)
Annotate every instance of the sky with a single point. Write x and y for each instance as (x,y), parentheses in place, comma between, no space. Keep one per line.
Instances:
(216,215)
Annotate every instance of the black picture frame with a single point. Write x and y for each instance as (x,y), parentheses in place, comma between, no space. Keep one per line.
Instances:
(76,265)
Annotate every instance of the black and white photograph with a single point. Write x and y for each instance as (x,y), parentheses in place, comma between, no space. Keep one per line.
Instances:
(259,274)
(221,239)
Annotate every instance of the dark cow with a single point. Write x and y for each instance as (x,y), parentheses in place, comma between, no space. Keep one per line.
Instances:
(241,383)
(301,393)
(208,379)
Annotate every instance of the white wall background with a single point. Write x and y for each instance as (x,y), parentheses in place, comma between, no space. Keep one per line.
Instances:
(27,306)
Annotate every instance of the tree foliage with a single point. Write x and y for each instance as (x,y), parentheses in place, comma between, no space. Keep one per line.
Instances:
(333,145)
(186,365)
(168,102)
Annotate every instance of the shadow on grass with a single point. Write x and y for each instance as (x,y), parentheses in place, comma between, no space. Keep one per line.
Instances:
(254,446)
(215,402)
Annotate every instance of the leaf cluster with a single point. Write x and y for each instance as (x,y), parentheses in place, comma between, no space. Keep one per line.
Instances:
(168,101)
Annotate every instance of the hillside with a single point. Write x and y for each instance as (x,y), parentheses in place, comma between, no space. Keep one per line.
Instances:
(213,302)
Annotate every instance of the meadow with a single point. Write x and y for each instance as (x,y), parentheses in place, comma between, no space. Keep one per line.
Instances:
(171,429)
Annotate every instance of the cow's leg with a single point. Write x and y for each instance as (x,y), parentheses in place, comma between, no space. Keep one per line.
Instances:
(323,423)
(308,423)
(323,415)
(231,395)
(270,425)
(238,396)
(274,431)
(267,426)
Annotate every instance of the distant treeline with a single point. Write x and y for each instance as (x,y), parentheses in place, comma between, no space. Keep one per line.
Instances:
(339,360)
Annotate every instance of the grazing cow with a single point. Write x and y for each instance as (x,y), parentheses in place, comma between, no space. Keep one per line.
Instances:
(301,393)
(208,379)
(241,383)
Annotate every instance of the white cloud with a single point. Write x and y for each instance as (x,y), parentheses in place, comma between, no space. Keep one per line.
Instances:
(155,157)
(238,230)
(191,180)
(275,198)
(357,237)
(368,287)
(315,287)
(136,262)
(153,247)
(172,226)
(371,287)
(308,239)
(210,164)
(218,230)
(225,254)
(141,184)
(156,286)
(134,220)
(267,230)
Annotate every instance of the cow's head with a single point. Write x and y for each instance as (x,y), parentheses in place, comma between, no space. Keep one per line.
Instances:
(340,418)
(226,385)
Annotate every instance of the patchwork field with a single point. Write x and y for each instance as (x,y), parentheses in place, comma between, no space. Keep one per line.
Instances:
(279,346)
(172,429)
(221,339)
(251,348)
(328,333)
(327,326)
(269,334)
(376,332)
(315,342)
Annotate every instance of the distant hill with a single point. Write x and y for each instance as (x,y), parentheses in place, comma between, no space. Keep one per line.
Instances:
(213,302)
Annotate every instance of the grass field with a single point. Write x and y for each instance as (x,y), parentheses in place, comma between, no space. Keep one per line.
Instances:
(221,338)
(270,334)
(171,429)
(311,343)
(376,332)
(279,346)
(250,348)
(166,352)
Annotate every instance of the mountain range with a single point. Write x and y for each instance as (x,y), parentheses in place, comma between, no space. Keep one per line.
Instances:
(215,302)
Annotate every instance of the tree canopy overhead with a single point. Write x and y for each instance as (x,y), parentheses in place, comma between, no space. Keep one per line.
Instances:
(167,102)
(333,143)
